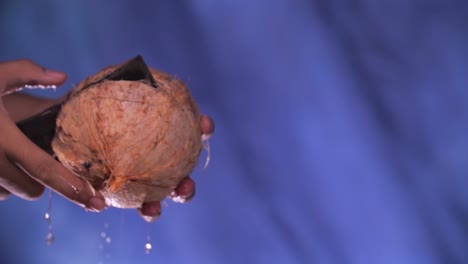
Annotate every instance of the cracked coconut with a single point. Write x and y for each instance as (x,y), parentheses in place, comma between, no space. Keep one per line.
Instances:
(131,141)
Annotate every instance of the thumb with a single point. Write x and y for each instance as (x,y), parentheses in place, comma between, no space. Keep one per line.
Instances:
(18,73)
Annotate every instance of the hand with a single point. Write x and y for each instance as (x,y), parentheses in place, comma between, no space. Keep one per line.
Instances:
(25,168)
(185,191)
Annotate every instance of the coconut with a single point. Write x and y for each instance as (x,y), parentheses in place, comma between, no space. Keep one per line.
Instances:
(132,132)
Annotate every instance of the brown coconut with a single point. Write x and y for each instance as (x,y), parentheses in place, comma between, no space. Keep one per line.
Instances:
(130,140)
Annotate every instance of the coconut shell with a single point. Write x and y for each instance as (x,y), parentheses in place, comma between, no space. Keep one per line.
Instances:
(132,140)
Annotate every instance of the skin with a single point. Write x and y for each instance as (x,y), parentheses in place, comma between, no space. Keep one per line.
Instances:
(25,169)
(185,191)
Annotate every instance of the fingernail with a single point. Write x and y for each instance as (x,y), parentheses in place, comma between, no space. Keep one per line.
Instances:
(184,191)
(151,211)
(54,74)
(95,204)
(207,125)
(190,196)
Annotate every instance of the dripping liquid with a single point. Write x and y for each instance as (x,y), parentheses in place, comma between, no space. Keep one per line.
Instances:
(148,245)
(104,244)
(50,237)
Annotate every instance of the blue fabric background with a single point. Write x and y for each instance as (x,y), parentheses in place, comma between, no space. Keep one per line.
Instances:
(341,129)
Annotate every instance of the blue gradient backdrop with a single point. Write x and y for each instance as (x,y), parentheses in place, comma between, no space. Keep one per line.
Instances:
(341,129)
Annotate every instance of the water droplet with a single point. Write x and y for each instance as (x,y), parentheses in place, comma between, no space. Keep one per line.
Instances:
(206,146)
(74,189)
(148,248)
(49,239)
(40,86)
(104,244)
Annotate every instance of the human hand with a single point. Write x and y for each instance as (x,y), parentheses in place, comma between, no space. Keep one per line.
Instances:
(25,168)
(185,191)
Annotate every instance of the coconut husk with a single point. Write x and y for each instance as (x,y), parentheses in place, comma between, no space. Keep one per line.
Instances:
(133,132)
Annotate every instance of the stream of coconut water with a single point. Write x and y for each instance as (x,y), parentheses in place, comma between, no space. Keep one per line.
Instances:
(49,239)
(105,239)
(148,245)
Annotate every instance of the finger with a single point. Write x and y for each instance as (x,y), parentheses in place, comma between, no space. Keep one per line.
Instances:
(4,194)
(22,105)
(17,182)
(18,73)
(43,168)
(150,211)
(184,192)
(207,124)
